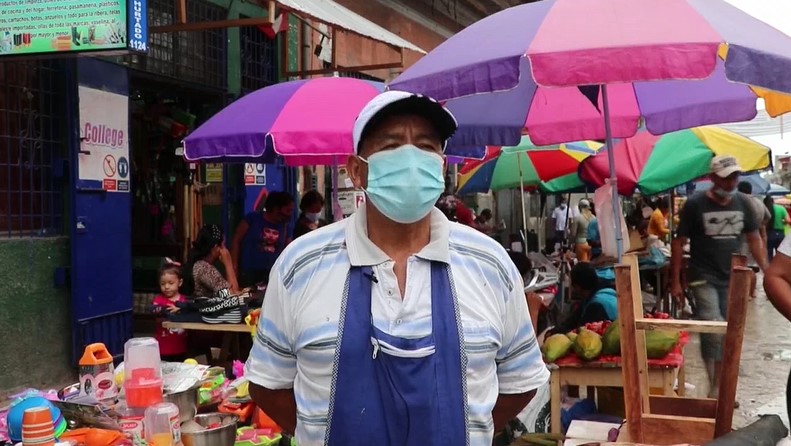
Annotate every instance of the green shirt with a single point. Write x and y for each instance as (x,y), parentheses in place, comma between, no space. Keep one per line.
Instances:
(781,215)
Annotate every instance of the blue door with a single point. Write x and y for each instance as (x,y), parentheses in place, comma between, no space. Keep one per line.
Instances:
(101,241)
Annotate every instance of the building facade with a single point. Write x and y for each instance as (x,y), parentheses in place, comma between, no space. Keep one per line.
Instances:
(74,251)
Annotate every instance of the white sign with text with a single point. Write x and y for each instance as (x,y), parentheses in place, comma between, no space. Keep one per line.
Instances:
(104,139)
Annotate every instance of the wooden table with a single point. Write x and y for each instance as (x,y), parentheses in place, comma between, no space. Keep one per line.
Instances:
(230,337)
(592,375)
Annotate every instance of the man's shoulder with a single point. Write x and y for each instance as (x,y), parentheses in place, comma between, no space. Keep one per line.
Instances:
(471,238)
(324,240)
(478,248)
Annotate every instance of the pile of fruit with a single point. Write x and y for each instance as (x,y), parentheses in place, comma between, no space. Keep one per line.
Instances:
(597,339)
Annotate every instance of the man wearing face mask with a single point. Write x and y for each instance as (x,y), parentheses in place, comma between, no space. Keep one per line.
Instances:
(395,326)
(715,223)
(311,206)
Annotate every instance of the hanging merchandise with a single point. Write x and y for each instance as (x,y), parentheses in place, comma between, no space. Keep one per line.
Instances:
(603,201)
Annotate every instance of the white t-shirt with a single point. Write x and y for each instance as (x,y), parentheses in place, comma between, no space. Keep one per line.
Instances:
(297,334)
(562,216)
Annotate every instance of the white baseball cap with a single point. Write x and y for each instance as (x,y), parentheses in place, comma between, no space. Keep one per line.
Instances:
(402,102)
(724,166)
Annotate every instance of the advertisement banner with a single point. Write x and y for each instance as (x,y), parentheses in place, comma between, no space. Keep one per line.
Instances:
(72,26)
(104,139)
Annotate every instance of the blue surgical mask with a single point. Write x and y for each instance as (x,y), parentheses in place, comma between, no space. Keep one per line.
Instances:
(404,183)
(722,193)
(313,216)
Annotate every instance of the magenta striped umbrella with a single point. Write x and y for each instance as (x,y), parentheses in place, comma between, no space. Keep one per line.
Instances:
(675,64)
(307,122)
(574,70)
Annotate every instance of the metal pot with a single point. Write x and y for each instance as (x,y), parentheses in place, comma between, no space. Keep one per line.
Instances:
(186,401)
(225,435)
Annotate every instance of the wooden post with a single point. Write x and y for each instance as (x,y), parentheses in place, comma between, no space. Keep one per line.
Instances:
(738,294)
(629,362)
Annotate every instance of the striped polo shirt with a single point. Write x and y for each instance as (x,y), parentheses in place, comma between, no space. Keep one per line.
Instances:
(297,333)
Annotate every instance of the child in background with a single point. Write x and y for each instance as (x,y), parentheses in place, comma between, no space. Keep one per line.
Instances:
(172,343)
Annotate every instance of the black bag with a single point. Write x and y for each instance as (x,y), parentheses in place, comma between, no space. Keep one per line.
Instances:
(222,308)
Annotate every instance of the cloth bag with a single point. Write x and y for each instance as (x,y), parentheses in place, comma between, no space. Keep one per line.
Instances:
(603,201)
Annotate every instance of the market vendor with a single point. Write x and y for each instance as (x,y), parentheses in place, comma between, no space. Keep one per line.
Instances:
(311,208)
(395,326)
(657,225)
(595,303)
(201,277)
(261,237)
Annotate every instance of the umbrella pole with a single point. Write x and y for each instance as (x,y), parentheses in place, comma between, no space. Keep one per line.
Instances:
(335,205)
(613,178)
(522,194)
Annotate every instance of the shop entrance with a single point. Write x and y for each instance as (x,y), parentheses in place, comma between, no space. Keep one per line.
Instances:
(171,198)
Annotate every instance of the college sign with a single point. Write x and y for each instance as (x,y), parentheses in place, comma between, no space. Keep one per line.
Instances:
(47,27)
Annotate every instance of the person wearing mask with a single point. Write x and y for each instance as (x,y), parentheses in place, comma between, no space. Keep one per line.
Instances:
(261,237)
(311,206)
(395,326)
(594,302)
(657,225)
(776,228)
(562,215)
(763,218)
(715,223)
(579,231)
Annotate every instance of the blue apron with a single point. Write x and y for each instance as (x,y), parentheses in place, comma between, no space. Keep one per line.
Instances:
(396,391)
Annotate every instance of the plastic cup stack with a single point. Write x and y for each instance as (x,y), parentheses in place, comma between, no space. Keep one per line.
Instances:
(37,428)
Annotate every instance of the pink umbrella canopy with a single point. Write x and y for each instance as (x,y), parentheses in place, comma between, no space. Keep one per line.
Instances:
(673,63)
(307,122)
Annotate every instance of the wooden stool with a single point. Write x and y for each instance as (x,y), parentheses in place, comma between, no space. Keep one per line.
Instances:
(662,420)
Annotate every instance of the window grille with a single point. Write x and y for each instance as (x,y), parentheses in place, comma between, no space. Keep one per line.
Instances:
(258,59)
(193,56)
(32,138)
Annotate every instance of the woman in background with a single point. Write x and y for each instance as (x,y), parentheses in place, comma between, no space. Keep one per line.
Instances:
(201,277)
(311,208)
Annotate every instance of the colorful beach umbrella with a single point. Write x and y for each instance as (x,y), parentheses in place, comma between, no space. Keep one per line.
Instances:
(655,164)
(670,64)
(307,122)
(550,168)
(675,64)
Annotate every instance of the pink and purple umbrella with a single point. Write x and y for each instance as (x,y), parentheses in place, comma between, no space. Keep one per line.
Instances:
(674,63)
(307,122)
(573,70)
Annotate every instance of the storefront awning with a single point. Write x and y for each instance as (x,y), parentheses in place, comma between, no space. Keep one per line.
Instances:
(332,13)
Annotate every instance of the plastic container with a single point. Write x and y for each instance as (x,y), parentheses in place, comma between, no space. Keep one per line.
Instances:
(97,373)
(142,373)
(162,425)
(131,422)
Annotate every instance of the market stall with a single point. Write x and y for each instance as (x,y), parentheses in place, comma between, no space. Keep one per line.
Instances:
(142,402)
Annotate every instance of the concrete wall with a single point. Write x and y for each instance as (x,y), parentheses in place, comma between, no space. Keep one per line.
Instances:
(35,324)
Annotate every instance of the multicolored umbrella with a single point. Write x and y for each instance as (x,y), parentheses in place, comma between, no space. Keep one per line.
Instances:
(307,122)
(549,168)
(674,63)
(655,164)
